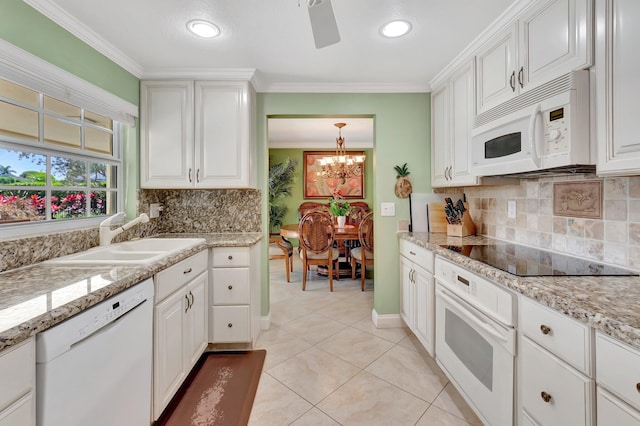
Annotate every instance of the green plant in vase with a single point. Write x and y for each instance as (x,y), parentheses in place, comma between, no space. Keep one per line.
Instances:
(339,208)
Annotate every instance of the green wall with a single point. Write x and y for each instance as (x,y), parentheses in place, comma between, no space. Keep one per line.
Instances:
(402,135)
(23,26)
(277,155)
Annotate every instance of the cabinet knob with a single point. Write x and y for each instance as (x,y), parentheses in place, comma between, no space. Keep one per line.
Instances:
(230,257)
(544,329)
(545,396)
(638,387)
(187,271)
(229,325)
(230,287)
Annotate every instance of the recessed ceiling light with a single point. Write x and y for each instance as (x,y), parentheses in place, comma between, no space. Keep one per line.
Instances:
(203,28)
(395,28)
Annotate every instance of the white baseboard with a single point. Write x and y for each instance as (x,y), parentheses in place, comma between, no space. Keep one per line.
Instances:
(265,322)
(386,321)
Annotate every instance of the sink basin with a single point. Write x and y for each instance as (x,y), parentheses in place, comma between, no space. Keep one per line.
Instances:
(143,251)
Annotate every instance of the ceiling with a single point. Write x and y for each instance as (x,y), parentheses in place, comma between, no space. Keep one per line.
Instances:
(273,37)
(319,132)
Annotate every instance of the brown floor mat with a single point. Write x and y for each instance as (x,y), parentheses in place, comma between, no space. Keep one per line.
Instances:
(221,392)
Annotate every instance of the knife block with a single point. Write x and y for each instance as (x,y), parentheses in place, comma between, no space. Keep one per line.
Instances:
(467,227)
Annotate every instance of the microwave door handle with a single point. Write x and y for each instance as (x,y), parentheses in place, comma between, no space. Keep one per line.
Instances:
(532,135)
(471,317)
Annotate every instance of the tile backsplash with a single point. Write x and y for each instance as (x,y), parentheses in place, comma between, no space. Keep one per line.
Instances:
(613,239)
(185,211)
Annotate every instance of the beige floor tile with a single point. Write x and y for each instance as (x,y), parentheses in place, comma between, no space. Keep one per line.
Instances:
(412,342)
(437,416)
(315,417)
(367,400)
(451,401)
(412,371)
(391,334)
(313,374)
(313,328)
(286,311)
(355,346)
(348,311)
(280,345)
(275,404)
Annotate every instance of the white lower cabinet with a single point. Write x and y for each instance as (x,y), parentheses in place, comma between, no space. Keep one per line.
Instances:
(180,326)
(613,411)
(235,295)
(17,392)
(418,292)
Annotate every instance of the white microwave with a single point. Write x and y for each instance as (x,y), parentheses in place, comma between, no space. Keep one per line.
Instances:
(544,128)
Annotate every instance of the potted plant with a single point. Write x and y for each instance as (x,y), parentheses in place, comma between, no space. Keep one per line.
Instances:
(339,208)
(281,178)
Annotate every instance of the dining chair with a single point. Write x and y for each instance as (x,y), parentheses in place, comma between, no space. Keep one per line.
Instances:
(316,234)
(363,254)
(281,248)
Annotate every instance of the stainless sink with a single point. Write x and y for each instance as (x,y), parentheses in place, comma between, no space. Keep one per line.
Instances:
(143,251)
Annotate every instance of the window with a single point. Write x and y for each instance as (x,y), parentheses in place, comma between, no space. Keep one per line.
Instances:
(58,161)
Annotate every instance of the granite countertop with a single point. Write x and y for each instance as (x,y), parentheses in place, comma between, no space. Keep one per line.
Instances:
(36,297)
(608,304)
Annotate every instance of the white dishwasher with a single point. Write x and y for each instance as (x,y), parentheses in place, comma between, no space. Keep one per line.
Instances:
(95,368)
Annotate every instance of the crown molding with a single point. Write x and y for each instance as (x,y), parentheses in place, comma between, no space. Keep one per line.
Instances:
(239,74)
(324,145)
(342,88)
(22,67)
(86,34)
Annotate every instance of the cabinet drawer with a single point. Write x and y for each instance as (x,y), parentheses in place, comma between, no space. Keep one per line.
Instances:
(612,411)
(230,256)
(21,413)
(617,368)
(563,336)
(543,375)
(231,324)
(231,286)
(17,370)
(176,276)
(417,254)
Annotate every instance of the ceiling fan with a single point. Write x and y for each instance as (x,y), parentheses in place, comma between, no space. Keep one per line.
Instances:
(323,23)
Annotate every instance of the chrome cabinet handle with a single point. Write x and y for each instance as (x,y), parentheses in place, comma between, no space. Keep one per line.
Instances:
(190,175)
(230,287)
(544,329)
(193,299)
(545,396)
(198,175)
(411,253)
(187,271)
(512,81)
(186,296)
(521,77)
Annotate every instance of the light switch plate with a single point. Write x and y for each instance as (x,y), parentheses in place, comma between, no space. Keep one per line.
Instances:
(387,209)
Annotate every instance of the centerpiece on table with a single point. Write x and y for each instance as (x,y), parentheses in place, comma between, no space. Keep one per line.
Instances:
(339,208)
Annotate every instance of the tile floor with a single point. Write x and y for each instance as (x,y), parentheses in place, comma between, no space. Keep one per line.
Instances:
(328,365)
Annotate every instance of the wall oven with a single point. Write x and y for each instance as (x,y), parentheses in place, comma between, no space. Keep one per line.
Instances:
(475,340)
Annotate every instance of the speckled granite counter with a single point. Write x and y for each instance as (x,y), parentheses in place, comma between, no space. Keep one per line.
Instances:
(37,297)
(609,304)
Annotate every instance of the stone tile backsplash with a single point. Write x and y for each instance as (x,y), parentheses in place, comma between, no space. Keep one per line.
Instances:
(185,211)
(613,239)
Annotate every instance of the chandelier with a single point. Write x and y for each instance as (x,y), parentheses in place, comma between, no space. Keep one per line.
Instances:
(341,166)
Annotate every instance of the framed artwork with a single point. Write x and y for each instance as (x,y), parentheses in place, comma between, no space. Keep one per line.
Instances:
(316,186)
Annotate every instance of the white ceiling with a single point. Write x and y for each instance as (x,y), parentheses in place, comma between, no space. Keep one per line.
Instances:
(149,38)
(319,132)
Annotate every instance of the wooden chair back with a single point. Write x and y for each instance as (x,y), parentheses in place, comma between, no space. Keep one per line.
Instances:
(316,232)
(365,232)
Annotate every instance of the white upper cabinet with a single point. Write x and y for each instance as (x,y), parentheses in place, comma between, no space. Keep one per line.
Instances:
(451,115)
(551,38)
(617,87)
(197,134)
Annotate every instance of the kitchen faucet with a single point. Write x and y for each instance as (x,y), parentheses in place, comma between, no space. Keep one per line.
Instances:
(106,234)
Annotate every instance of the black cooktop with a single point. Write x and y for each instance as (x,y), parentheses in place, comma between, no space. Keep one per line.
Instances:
(533,262)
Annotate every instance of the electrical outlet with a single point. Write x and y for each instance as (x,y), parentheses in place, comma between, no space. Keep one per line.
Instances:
(511,209)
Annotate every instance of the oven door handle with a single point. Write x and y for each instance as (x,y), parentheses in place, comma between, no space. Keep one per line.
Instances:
(472,317)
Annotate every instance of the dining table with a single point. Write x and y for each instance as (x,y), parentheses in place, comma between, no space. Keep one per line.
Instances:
(341,234)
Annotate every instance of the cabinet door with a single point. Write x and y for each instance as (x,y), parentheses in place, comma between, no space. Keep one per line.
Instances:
(231,324)
(425,308)
(555,39)
(439,137)
(462,107)
(196,326)
(166,134)
(617,86)
(406,275)
(21,413)
(222,134)
(496,70)
(612,411)
(169,343)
